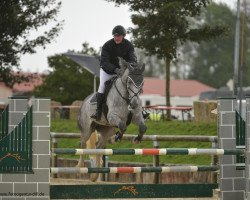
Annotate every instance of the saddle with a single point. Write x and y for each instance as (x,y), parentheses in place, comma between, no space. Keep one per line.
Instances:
(108,86)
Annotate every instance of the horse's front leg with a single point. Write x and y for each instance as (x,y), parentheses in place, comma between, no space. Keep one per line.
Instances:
(116,121)
(140,122)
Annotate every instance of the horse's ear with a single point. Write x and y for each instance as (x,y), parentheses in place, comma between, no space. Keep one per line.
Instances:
(130,68)
(122,62)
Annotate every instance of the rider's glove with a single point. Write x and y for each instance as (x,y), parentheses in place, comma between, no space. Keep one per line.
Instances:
(133,64)
(118,71)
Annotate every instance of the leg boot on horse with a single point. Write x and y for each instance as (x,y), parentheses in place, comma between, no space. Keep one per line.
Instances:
(99,99)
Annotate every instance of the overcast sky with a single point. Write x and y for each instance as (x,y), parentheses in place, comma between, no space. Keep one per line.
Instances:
(85,20)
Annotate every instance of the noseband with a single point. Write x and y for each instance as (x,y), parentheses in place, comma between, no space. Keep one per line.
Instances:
(138,84)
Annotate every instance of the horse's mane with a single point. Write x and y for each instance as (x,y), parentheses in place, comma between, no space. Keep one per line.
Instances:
(135,71)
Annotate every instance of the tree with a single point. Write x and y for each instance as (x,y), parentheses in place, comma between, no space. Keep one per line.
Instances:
(181,69)
(212,61)
(18,19)
(65,77)
(162,25)
(154,67)
(86,49)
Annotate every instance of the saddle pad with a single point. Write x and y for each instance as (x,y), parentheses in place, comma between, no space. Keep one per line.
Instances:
(108,85)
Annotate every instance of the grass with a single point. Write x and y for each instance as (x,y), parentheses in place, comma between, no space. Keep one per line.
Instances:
(154,128)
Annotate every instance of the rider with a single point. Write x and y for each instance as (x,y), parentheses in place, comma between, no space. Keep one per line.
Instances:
(116,47)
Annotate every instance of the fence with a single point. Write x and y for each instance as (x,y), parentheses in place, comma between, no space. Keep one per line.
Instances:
(4,121)
(16,146)
(233,183)
(24,150)
(156,139)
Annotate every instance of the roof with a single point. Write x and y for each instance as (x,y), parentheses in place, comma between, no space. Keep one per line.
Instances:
(90,63)
(181,88)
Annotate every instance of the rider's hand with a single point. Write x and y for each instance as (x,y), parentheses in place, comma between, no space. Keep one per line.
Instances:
(118,71)
(133,64)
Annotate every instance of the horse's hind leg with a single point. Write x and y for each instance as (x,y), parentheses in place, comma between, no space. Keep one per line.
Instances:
(81,160)
(86,132)
(91,144)
(105,134)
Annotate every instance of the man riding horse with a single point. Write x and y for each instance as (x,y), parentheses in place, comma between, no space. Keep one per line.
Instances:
(123,105)
(116,47)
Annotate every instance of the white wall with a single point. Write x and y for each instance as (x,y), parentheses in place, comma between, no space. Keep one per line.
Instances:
(5,92)
(154,99)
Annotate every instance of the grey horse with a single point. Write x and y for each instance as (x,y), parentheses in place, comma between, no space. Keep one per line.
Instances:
(122,101)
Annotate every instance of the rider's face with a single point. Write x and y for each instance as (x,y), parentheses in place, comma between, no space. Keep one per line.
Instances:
(118,39)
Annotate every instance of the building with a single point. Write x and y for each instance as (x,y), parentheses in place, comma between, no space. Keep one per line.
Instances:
(182,92)
(5,92)
(22,89)
(25,88)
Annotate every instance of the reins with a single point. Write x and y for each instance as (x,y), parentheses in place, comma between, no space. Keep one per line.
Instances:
(126,99)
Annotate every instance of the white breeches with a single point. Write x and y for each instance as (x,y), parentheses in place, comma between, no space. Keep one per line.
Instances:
(103,78)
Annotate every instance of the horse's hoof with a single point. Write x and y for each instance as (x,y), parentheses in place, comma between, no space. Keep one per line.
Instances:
(93,177)
(137,140)
(118,137)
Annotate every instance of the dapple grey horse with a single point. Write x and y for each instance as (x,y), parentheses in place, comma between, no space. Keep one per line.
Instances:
(122,100)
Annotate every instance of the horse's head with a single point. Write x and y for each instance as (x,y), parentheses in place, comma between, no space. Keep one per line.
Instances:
(132,77)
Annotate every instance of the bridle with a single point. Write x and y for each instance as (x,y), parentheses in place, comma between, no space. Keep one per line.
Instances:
(135,94)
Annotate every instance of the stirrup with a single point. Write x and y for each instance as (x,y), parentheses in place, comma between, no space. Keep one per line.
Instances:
(96,116)
(145,114)
(93,116)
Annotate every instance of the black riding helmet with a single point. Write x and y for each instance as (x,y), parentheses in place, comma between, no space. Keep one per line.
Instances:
(119,30)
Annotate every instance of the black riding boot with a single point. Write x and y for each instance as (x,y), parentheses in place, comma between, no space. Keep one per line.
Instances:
(99,100)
